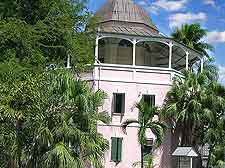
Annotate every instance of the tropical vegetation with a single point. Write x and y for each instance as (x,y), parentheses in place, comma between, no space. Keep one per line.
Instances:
(192,35)
(49,120)
(196,103)
(38,33)
(48,116)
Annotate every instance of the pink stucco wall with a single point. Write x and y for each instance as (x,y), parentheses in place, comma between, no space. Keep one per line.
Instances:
(116,81)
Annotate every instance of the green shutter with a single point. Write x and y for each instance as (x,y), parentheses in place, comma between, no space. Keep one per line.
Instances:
(119,149)
(114,149)
(152,100)
(123,103)
(114,102)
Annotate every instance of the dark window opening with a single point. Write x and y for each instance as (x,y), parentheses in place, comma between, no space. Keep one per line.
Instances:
(119,103)
(116,149)
(149,99)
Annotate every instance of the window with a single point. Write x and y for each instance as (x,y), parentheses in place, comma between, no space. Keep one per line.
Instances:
(118,103)
(149,99)
(116,149)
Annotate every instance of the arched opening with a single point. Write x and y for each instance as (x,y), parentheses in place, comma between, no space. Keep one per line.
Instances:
(178,58)
(152,54)
(115,51)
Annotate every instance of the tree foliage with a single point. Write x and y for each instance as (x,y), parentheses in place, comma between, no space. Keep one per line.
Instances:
(36,33)
(209,97)
(192,35)
(48,118)
(196,106)
(50,121)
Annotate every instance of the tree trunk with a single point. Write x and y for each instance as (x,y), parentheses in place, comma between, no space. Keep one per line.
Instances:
(142,156)
(19,124)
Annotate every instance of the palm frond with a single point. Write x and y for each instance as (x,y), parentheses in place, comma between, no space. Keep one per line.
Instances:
(59,157)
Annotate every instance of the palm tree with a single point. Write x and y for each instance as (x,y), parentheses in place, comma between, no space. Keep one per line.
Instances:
(72,139)
(148,162)
(145,121)
(196,106)
(56,118)
(192,35)
(210,69)
(183,105)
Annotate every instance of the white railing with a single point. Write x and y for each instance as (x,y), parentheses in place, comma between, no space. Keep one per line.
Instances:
(131,74)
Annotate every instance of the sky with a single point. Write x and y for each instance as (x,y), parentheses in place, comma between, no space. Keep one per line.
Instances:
(169,14)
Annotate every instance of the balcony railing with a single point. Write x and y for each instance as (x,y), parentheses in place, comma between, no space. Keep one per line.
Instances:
(131,74)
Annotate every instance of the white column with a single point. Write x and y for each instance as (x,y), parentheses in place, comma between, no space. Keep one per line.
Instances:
(191,162)
(187,60)
(134,58)
(96,49)
(202,64)
(68,62)
(134,51)
(170,54)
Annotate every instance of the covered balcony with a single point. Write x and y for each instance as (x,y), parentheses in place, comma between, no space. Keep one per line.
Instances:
(142,59)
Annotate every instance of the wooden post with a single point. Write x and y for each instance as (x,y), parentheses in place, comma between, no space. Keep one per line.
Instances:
(191,162)
(202,64)
(170,54)
(96,49)
(68,62)
(134,51)
(187,60)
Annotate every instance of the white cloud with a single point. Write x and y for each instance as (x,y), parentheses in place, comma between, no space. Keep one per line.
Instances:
(176,20)
(210,2)
(216,37)
(221,74)
(168,5)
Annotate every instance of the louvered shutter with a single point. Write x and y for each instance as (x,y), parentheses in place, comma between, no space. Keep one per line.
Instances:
(114,149)
(119,149)
(114,102)
(152,100)
(123,103)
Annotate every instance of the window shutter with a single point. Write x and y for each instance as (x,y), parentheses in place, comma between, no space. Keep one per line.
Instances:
(114,102)
(114,149)
(152,100)
(119,149)
(123,103)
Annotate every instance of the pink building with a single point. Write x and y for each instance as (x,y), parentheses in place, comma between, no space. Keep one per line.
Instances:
(133,60)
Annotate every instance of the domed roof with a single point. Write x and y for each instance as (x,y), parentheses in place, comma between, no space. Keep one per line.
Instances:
(125,14)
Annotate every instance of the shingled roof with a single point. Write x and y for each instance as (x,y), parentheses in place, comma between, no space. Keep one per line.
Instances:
(124,16)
